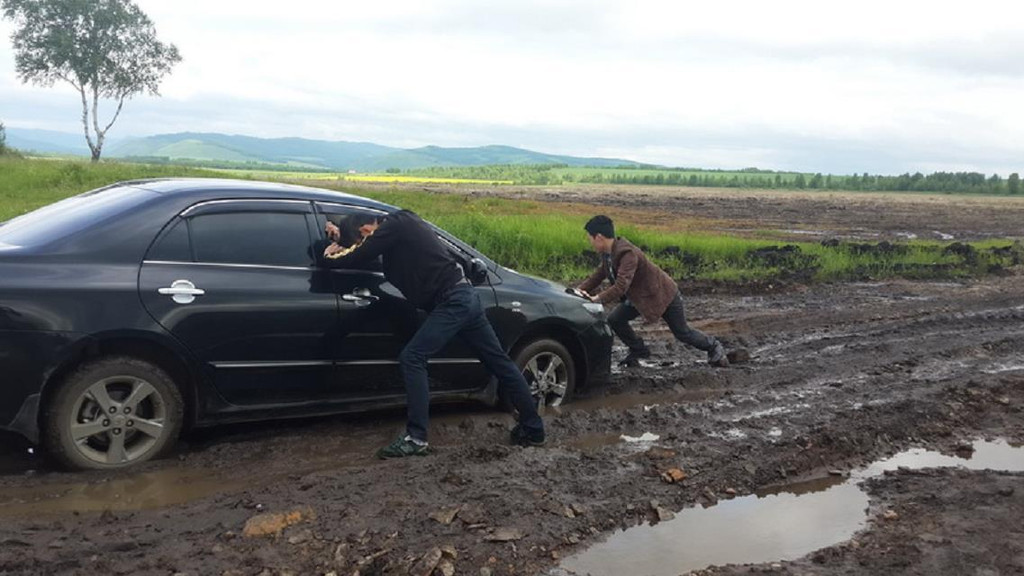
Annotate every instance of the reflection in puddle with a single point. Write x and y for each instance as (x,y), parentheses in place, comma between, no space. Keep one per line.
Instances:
(783,523)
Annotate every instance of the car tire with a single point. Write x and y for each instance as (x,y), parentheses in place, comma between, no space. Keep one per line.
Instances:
(549,371)
(112,413)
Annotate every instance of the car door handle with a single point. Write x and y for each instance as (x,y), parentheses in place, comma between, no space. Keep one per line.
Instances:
(361,296)
(182,291)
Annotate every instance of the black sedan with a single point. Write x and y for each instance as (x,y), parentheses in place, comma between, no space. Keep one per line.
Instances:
(137,310)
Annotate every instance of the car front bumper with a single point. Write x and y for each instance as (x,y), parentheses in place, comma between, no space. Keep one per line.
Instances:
(597,342)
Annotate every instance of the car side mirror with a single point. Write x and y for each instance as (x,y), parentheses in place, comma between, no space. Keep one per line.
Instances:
(477,271)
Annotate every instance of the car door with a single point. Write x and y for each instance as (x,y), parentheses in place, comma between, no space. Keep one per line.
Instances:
(235,281)
(376,322)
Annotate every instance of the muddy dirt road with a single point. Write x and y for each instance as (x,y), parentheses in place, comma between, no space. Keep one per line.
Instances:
(841,376)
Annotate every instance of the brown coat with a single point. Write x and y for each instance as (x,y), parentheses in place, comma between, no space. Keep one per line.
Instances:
(648,287)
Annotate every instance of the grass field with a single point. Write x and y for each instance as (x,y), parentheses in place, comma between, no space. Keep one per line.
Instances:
(547,239)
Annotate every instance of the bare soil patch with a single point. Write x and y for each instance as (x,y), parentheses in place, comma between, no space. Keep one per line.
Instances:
(795,215)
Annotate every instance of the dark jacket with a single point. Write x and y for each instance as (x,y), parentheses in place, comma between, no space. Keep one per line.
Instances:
(414,258)
(647,287)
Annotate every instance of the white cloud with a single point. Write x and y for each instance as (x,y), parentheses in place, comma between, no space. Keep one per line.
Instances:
(831,86)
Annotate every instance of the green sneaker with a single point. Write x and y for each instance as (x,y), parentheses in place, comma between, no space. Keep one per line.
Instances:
(403,446)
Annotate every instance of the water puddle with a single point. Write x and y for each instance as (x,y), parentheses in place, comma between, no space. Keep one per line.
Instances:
(594,441)
(140,491)
(174,485)
(783,523)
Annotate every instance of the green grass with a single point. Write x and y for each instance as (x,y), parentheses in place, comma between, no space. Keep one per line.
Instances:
(546,240)
(27,184)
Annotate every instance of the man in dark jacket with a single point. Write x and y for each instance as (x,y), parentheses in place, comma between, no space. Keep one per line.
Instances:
(644,290)
(417,263)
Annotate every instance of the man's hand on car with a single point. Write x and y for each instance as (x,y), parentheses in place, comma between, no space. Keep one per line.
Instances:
(332,231)
(333,249)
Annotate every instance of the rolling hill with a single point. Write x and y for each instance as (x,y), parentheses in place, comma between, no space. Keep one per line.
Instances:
(295,152)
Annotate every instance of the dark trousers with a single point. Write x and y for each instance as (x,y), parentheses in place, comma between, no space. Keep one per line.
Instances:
(674,316)
(461,314)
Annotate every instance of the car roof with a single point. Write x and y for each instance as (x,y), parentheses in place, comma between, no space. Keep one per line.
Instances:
(250,188)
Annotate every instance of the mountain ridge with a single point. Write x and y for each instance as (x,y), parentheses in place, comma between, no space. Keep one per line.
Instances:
(295,151)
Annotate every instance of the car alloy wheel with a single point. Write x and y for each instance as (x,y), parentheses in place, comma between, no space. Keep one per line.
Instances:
(114,413)
(549,371)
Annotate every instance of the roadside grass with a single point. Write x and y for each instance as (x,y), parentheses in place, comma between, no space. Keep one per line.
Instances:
(547,239)
(27,184)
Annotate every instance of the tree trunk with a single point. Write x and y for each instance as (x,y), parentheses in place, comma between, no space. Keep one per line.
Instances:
(85,125)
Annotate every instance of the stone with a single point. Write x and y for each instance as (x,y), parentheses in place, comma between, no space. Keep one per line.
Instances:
(272,523)
(557,508)
(504,535)
(446,568)
(426,564)
(738,356)
(445,515)
(659,453)
(673,475)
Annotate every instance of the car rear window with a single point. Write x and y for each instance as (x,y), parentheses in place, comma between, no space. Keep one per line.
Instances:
(70,216)
(255,238)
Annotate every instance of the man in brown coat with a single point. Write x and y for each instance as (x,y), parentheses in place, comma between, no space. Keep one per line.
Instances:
(644,290)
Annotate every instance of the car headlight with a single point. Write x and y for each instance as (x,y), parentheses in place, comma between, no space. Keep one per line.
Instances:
(594,308)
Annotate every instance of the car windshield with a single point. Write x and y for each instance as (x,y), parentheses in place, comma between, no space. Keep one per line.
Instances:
(69,217)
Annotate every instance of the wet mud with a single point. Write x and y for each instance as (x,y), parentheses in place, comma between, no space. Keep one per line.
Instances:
(838,377)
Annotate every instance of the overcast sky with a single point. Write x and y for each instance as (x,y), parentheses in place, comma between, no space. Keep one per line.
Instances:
(833,86)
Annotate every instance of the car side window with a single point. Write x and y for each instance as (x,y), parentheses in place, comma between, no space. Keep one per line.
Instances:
(173,245)
(256,238)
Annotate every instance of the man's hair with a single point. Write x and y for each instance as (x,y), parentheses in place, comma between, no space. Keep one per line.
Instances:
(602,225)
(348,226)
(361,219)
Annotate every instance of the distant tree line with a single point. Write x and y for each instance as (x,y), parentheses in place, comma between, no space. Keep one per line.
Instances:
(943,182)
(525,174)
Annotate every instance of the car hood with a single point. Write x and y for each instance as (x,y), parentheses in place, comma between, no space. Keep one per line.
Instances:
(543,283)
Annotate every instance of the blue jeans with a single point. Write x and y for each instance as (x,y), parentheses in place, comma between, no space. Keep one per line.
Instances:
(460,314)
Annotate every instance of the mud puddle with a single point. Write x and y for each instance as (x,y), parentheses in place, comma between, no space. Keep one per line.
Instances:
(782,523)
(140,491)
(169,486)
